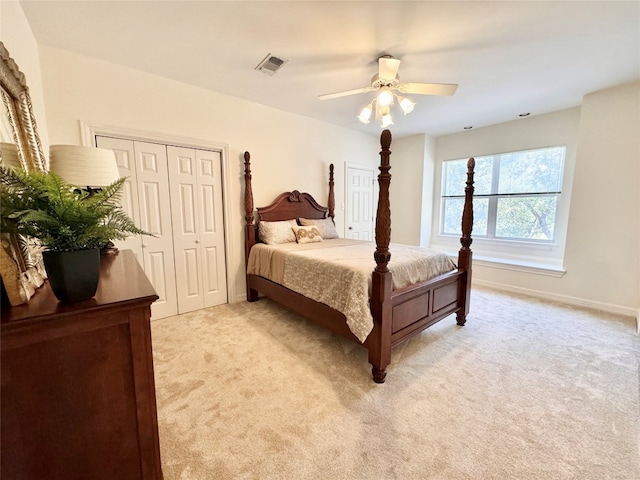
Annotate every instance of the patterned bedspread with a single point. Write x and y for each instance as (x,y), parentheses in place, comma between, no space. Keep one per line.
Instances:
(338,273)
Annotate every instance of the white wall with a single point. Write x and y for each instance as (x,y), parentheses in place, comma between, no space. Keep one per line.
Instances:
(412,167)
(601,255)
(288,151)
(428,178)
(18,38)
(405,192)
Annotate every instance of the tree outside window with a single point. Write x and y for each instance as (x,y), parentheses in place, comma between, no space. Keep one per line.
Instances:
(516,194)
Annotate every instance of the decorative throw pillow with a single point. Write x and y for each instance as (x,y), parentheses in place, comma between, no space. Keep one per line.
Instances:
(309,234)
(273,233)
(325,225)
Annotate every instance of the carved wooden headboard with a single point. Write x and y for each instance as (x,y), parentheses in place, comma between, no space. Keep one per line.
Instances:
(286,206)
(292,205)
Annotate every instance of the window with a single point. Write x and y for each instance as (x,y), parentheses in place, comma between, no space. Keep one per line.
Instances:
(516,195)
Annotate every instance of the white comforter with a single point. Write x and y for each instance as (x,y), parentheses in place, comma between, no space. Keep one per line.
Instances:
(338,273)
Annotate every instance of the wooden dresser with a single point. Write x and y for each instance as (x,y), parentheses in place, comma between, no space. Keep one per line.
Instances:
(77,388)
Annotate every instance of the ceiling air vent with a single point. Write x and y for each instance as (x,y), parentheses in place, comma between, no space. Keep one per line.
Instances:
(270,64)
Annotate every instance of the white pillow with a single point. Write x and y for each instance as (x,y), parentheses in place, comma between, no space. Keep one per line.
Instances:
(309,234)
(273,233)
(325,225)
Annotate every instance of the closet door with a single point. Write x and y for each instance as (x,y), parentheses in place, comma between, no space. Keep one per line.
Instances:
(155,218)
(125,158)
(196,198)
(146,200)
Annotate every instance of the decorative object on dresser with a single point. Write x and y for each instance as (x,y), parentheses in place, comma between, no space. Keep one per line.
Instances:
(17,113)
(78,393)
(394,310)
(71,224)
(88,168)
(9,155)
(21,267)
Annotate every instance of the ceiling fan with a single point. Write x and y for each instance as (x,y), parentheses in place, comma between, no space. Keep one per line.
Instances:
(386,82)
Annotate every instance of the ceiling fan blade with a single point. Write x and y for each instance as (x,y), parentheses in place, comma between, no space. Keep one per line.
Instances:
(388,68)
(447,89)
(329,96)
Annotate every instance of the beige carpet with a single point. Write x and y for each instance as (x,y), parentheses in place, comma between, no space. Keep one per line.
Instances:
(526,390)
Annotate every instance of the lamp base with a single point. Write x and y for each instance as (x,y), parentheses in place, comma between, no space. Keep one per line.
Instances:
(109,249)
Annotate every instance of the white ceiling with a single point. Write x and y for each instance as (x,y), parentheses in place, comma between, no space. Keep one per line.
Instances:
(507,57)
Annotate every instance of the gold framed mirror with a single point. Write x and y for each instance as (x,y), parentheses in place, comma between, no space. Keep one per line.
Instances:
(17,114)
(21,267)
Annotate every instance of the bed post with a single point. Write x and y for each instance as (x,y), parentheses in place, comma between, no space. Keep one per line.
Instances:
(380,350)
(332,199)
(250,228)
(465,254)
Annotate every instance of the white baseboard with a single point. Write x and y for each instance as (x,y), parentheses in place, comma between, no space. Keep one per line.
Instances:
(578,302)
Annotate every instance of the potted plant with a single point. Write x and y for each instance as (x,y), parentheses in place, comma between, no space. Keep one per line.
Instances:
(70,224)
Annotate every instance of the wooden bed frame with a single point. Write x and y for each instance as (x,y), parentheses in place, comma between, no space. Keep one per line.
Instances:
(397,314)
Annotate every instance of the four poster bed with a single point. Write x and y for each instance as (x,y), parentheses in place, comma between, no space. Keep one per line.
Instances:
(384,310)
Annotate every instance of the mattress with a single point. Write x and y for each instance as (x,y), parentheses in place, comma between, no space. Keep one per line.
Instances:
(337,272)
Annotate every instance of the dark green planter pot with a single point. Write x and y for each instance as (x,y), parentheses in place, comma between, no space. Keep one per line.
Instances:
(73,276)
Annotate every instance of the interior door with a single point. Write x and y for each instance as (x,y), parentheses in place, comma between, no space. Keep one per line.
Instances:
(146,200)
(359,203)
(196,198)
(125,158)
(212,227)
(155,218)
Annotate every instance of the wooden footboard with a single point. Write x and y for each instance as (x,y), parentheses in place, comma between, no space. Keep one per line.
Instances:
(419,306)
(397,315)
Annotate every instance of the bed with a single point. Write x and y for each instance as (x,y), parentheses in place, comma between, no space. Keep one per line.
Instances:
(398,311)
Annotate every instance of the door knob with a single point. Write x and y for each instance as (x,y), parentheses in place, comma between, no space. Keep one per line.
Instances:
(197,241)
(350,228)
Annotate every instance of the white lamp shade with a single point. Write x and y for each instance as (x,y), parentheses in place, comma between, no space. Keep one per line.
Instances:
(365,114)
(385,97)
(406,105)
(386,120)
(84,166)
(10,157)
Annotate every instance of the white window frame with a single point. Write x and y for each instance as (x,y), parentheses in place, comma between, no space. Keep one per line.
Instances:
(493,198)
(539,257)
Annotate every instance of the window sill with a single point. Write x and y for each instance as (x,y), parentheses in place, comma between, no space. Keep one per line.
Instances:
(514,264)
(527,257)
(520,266)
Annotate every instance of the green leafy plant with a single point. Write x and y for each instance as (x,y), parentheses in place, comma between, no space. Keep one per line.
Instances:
(62,217)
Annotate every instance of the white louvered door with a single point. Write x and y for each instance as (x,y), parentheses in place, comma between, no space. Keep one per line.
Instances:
(198,235)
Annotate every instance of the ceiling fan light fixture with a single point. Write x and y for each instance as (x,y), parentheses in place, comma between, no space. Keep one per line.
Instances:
(386,120)
(406,105)
(365,114)
(385,97)
(383,110)
(385,84)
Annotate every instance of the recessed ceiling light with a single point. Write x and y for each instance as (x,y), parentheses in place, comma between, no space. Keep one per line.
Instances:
(468,127)
(524,114)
